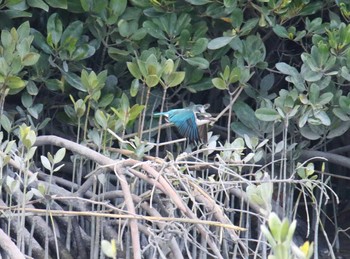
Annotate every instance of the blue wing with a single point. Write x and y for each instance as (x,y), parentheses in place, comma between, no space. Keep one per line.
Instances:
(185,122)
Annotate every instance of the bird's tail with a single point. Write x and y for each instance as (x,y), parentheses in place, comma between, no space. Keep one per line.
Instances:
(159,114)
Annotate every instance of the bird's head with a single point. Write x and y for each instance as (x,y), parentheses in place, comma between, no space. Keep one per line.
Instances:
(200,108)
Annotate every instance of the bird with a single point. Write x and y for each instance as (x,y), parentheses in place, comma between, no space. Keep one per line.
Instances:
(190,121)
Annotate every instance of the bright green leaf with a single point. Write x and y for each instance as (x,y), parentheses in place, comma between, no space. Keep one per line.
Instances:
(152,80)
(134,70)
(15,82)
(174,78)
(219,83)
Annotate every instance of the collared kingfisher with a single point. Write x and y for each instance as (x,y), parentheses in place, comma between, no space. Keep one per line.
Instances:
(190,121)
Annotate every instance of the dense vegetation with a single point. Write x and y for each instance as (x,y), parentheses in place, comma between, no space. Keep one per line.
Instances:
(86,170)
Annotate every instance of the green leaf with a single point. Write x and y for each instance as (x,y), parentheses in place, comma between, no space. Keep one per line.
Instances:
(134,70)
(308,133)
(79,108)
(341,114)
(240,129)
(82,52)
(153,30)
(202,85)
(325,98)
(152,80)
(284,229)
(219,83)
(220,42)
(253,195)
(294,77)
(23,31)
(135,111)
(31,88)
(275,226)
(73,31)
(11,14)
(58,3)
(269,238)
(16,65)
(314,93)
(125,104)
(135,85)
(4,68)
(58,168)
(35,110)
(139,34)
(27,136)
(246,115)
(152,65)
(235,75)
(54,84)
(5,123)
(267,82)
(338,130)
(267,114)
(118,54)
(174,78)
(124,28)
(168,66)
(182,23)
(26,100)
(38,4)
(345,73)
(45,162)
(74,81)
(310,61)
(198,2)
(109,248)
(248,26)
(286,69)
(96,6)
(54,29)
(15,82)
(118,6)
(58,157)
(88,80)
(101,119)
(199,62)
(199,46)
(281,31)
(43,124)
(323,117)
(30,59)
(237,17)
(6,38)
(291,231)
(309,75)
(40,42)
